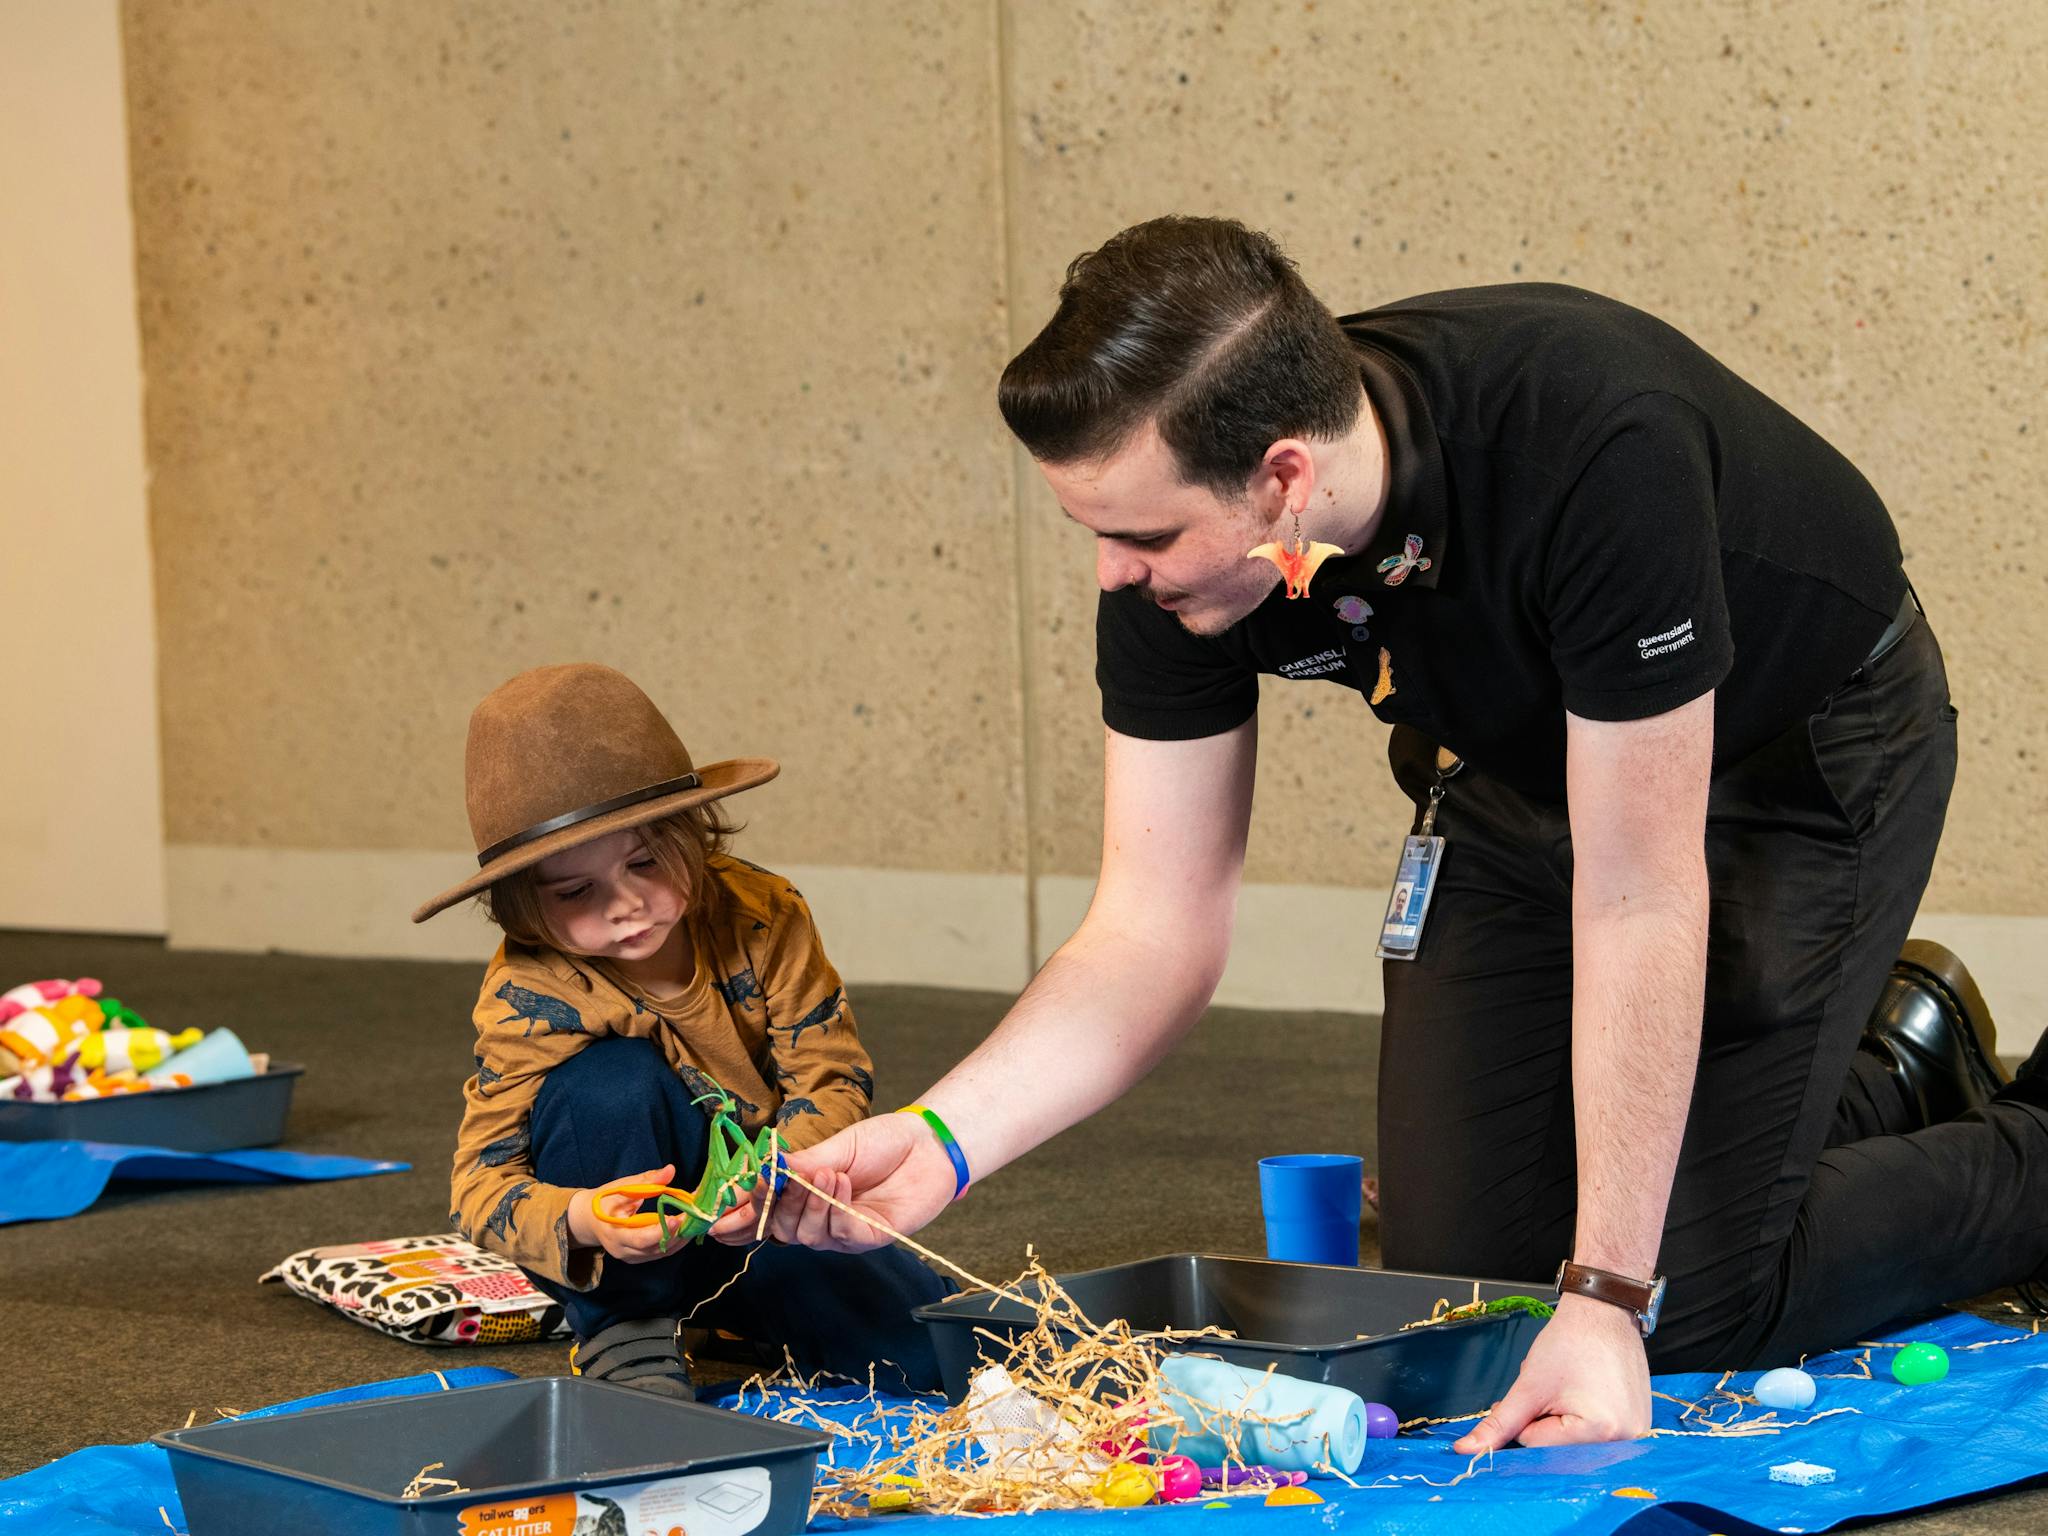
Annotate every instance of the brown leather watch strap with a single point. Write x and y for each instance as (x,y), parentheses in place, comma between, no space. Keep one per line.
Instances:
(1639,1297)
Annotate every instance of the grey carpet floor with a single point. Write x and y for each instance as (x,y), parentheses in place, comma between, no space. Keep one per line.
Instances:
(131,1317)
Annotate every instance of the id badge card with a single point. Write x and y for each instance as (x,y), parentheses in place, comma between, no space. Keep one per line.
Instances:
(1408,906)
(1422,854)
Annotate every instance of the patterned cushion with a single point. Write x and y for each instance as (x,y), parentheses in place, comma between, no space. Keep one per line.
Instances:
(428,1290)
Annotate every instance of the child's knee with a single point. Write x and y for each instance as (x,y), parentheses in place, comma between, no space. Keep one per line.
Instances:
(614,1108)
(608,1085)
(612,1076)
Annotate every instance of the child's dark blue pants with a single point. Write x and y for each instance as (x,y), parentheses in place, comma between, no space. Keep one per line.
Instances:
(617,1108)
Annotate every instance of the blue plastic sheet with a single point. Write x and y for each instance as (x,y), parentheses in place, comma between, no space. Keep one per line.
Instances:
(1984,1427)
(43,1180)
(127,1490)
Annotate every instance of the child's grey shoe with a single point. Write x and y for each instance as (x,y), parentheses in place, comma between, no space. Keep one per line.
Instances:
(646,1353)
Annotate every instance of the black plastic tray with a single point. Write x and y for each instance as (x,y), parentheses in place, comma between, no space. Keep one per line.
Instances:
(340,1471)
(213,1117)
(1305,1320)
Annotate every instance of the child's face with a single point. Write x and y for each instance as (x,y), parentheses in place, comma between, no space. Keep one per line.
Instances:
(608,898)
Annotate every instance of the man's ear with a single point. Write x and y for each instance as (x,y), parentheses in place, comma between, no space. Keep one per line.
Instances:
(1285,478)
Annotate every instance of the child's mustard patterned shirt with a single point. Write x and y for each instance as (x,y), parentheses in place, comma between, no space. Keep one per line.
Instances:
(764,1015)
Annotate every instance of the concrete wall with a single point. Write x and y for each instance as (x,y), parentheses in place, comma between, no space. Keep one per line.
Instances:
(665,335)
(81,820)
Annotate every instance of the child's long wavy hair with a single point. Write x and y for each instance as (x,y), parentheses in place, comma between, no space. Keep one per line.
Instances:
(682,846)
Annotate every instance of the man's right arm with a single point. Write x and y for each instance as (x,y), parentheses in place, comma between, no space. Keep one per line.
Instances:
(1099,1015)
(1142,966)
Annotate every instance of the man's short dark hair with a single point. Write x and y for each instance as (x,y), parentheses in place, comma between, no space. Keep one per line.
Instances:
(1201,324)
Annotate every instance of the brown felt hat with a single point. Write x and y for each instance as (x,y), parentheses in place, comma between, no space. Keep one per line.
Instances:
(564,755)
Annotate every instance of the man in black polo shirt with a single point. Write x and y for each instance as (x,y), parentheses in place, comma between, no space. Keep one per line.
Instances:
(1658,686)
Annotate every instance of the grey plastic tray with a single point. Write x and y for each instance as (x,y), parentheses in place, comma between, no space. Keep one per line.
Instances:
(1305,1320)
(214,1117)
(570,1453)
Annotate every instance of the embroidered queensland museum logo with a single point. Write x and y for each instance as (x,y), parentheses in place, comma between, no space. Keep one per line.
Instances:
(1321,664)
(1675,638)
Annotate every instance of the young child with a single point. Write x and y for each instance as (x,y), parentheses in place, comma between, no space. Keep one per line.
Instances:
(643,963)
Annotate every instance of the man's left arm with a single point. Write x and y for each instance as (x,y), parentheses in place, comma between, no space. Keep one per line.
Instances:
(1637,792)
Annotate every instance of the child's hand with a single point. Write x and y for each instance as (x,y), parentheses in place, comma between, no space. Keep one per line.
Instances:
(890,1168)
(629,1245)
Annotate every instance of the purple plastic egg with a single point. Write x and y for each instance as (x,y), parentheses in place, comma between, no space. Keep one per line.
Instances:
(1381,1422)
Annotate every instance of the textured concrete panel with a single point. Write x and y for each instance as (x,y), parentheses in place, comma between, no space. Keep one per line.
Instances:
(660,335)
(1843,200)
(81,819)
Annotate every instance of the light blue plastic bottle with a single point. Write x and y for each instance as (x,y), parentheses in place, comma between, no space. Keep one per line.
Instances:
(1321,1425)
(218,1058)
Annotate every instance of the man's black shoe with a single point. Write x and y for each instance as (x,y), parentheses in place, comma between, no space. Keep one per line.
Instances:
(1932,1030)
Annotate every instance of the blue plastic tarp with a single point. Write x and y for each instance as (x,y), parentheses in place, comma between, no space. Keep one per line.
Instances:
(1901,1448)
(43,1180)
(1985,1427)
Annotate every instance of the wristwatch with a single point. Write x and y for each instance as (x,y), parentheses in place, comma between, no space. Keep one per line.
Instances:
(1643,1299)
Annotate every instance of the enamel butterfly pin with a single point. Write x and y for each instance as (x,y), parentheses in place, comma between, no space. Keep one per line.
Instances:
(1396,567)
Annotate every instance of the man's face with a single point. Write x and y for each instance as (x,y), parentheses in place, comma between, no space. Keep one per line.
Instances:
(1181,545)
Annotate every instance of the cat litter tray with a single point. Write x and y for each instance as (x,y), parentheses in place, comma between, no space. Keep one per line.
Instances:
(554,1456)
(1320,1322)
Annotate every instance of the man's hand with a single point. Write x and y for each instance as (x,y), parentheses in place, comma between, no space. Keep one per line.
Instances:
(1585,1379)
(890,1168)
(629,1245)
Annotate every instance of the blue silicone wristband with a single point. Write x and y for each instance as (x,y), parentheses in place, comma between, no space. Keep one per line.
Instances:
(961,1177)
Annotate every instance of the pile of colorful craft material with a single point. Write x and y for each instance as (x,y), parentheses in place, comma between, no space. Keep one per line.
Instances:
(1078,1415)
(62,1040)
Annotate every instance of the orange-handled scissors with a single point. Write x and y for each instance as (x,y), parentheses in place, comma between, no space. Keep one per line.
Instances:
(684,1215)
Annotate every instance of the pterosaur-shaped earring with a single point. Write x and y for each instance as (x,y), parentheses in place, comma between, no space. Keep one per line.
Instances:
(1297,564)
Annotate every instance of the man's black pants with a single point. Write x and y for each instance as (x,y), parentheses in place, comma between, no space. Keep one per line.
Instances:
(1800,1218)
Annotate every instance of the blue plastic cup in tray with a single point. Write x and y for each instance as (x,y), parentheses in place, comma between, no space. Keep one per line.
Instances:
(548,1456)
(214,1117)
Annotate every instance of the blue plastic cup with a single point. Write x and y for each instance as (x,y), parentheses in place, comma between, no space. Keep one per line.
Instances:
(1312,1201)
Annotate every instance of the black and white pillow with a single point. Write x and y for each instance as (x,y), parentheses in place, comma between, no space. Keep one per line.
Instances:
(427,1290)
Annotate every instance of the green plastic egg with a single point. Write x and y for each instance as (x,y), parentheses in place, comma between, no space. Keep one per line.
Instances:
(1918,1364)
